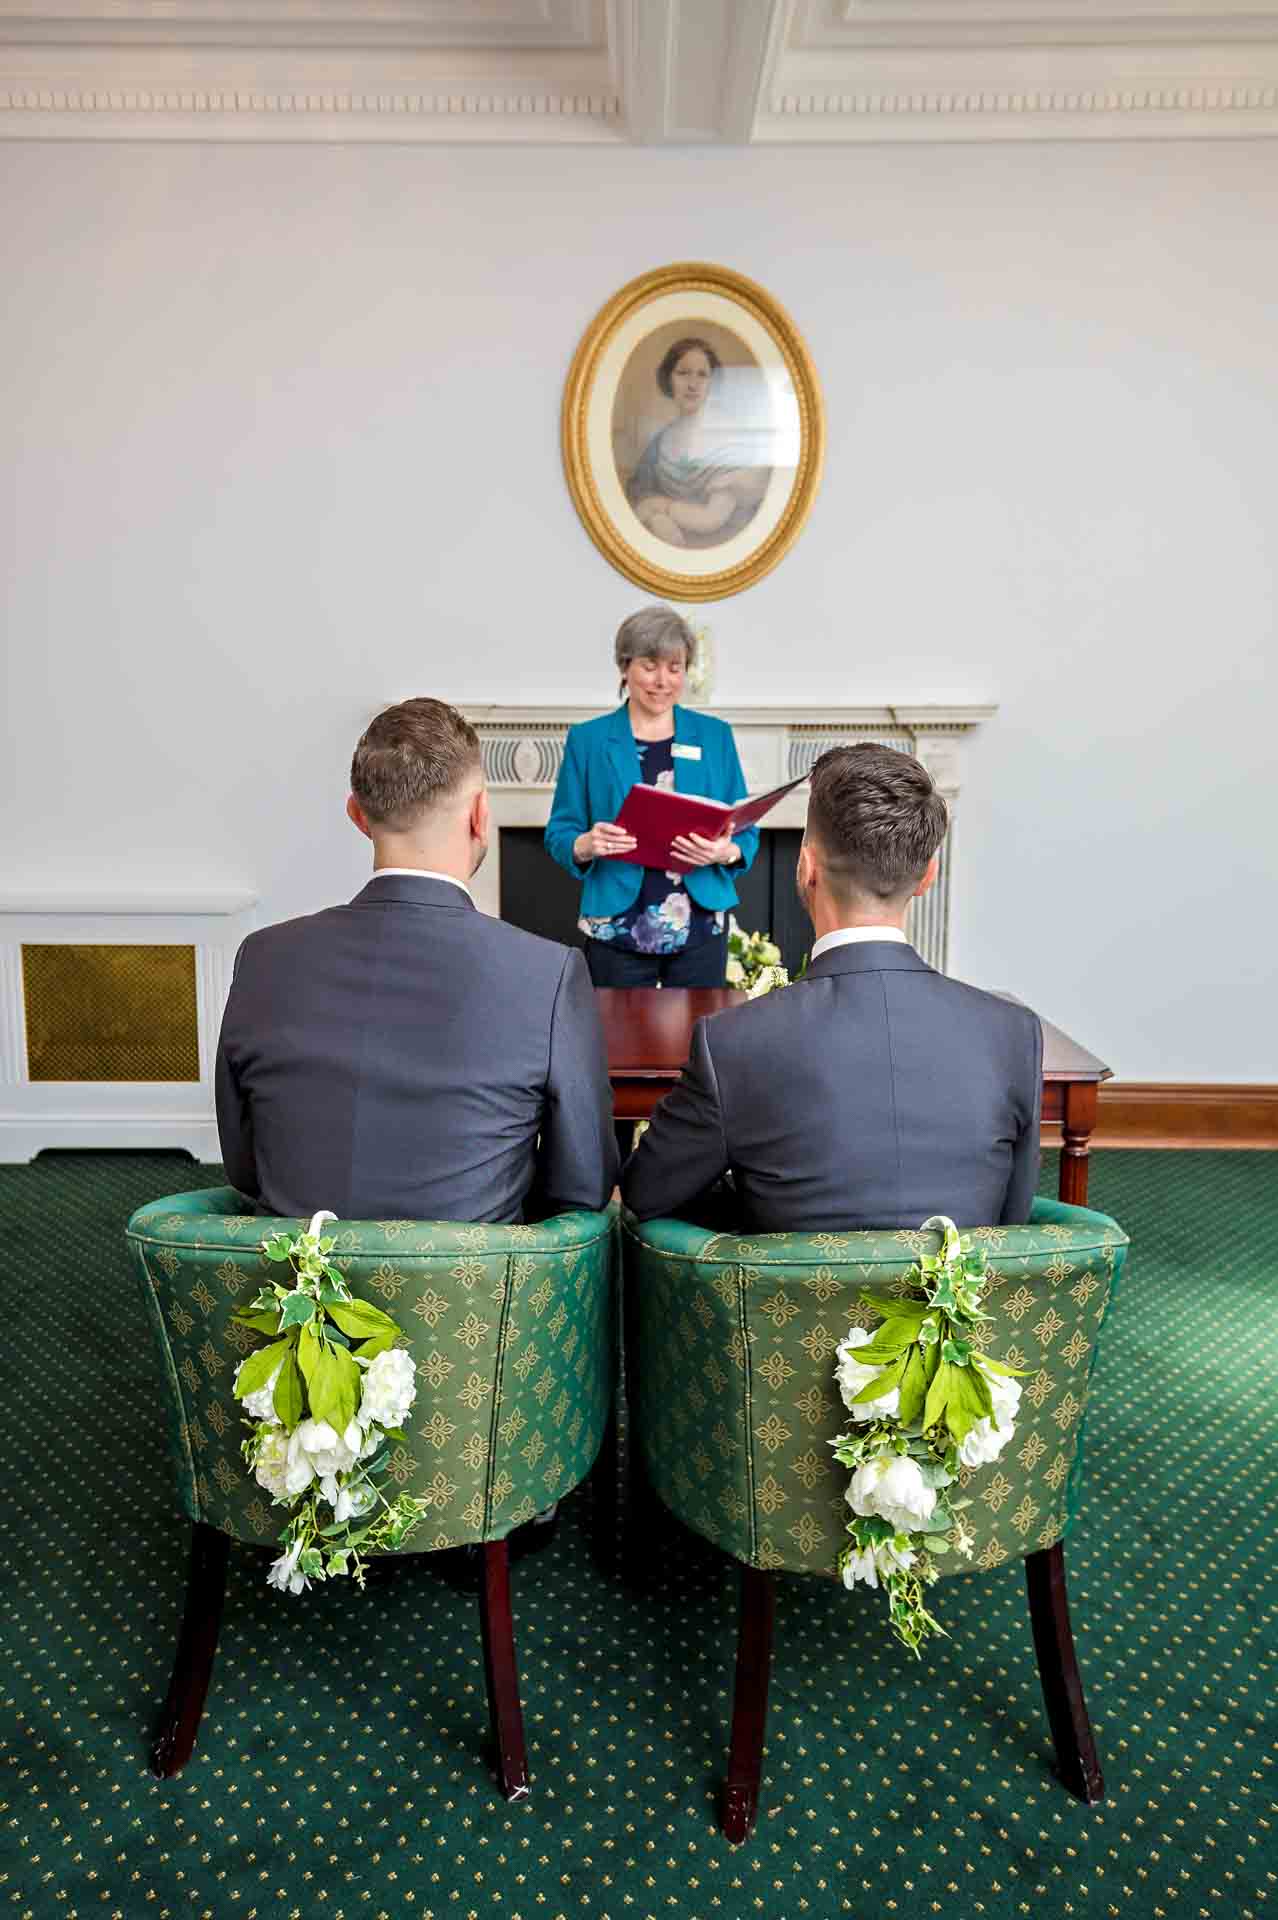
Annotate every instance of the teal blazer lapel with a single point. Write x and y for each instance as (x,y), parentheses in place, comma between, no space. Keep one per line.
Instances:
(623,755)
(689,775)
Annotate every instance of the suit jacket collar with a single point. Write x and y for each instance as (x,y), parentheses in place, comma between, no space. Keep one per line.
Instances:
(867,956)
(412,890)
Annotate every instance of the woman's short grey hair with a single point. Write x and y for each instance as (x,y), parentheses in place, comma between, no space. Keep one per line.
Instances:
(654,633)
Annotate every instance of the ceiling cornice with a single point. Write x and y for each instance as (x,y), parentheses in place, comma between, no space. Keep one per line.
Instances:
(637,72)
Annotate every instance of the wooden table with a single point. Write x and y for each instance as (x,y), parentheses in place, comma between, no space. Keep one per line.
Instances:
(648,1031)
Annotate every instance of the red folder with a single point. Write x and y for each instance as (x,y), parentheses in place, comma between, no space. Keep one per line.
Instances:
(658,815)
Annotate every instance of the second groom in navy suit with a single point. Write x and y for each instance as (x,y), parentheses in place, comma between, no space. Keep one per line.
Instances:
(875,1091)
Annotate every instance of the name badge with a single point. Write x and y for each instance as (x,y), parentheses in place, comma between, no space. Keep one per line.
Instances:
(680,750)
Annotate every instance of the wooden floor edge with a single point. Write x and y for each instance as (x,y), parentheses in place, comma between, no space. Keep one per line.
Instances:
(1191,1114)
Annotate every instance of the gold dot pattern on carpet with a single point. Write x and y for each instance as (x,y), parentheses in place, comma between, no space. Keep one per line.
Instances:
(339,1771)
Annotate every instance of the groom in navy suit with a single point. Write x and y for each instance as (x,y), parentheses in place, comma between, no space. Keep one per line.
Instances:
(875,1091)
(406,1057)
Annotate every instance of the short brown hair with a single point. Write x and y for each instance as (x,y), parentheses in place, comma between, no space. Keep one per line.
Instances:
(673,355)
(878,819)
(409,757)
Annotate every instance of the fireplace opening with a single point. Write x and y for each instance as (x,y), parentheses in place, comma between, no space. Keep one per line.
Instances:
(537,894)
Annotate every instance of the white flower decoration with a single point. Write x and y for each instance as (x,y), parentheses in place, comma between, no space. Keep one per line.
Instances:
(891,1486)
(868,1564)
(852,1376)
(389,1389)
(986,1440)
(261,1404)
(285,1574)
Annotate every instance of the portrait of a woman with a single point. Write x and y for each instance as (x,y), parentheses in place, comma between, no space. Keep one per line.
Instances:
(698,481)
(646,926)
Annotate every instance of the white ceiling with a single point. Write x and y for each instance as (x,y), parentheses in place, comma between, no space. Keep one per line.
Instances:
(637,72)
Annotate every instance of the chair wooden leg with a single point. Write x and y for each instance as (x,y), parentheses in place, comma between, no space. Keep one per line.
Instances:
(197,1643)
(739,1800)
(604,1516)
(500,1673)
(1076,1756)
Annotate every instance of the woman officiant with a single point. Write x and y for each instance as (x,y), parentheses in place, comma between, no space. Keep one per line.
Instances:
(646,926)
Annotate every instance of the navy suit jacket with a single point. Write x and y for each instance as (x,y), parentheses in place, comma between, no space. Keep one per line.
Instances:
(874,1092)
(408,1057)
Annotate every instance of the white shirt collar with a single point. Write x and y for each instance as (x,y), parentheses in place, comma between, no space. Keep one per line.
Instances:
(848,936)
(425,873)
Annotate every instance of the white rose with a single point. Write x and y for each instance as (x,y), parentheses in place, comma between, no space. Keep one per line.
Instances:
(892,1486)
(261,1404)
(270,1469)
(852,1376)
(300,1472)
(284,1572)
(389,1390)
(325,1448)
(735,974)
(362,1443)
(770,977)
(985,1441)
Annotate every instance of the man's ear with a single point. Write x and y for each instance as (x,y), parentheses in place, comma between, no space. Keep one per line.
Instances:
(805,872)
(357,816)
(479,816)
(929,876)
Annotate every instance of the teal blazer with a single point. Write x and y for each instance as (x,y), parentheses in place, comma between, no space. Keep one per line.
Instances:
(601,764)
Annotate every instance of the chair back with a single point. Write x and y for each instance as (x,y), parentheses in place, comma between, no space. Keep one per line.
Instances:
(734,1375)
(512,1330)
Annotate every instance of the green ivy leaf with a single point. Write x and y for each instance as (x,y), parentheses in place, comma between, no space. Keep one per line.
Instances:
(298,1309)
(913,1389)
(377,1343)
(278,1247)
(267,1322)
(891,1307)
(938,1394)
(878,1388)
(957,1352)
(969,1401)
(360,1319)
(288,1399)
(1001,1366)
(332,1380)
(259,1367)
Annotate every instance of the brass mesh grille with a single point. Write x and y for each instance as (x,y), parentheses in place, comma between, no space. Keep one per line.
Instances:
(111,1013)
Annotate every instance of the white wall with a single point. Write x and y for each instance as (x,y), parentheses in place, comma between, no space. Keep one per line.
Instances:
(281,444)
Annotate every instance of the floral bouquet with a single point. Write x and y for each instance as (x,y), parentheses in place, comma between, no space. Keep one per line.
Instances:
(322,1397)
(754,961)
(924,1402)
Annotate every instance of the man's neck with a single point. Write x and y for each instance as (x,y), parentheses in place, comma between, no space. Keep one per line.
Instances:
(827,917)
(439,860)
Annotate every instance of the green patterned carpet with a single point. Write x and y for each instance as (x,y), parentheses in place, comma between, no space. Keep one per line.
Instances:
(338,1770)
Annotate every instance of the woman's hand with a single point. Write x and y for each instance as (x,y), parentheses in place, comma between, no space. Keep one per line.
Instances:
(700,852)
(601,842)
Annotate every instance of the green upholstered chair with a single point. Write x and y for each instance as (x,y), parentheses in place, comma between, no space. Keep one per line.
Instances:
(730,1363)
(512,1330)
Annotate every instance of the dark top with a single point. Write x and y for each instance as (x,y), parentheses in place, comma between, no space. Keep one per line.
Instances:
(409,1058)
(874,1092)
(665,918)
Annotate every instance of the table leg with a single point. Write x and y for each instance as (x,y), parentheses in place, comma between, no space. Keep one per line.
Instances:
(1076,1130)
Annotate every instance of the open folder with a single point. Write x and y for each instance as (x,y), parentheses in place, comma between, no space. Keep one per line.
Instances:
(657,815)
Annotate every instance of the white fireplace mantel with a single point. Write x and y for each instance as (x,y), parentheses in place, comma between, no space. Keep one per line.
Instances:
(523,749)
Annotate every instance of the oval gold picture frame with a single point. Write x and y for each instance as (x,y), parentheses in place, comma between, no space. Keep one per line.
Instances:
(695,500)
